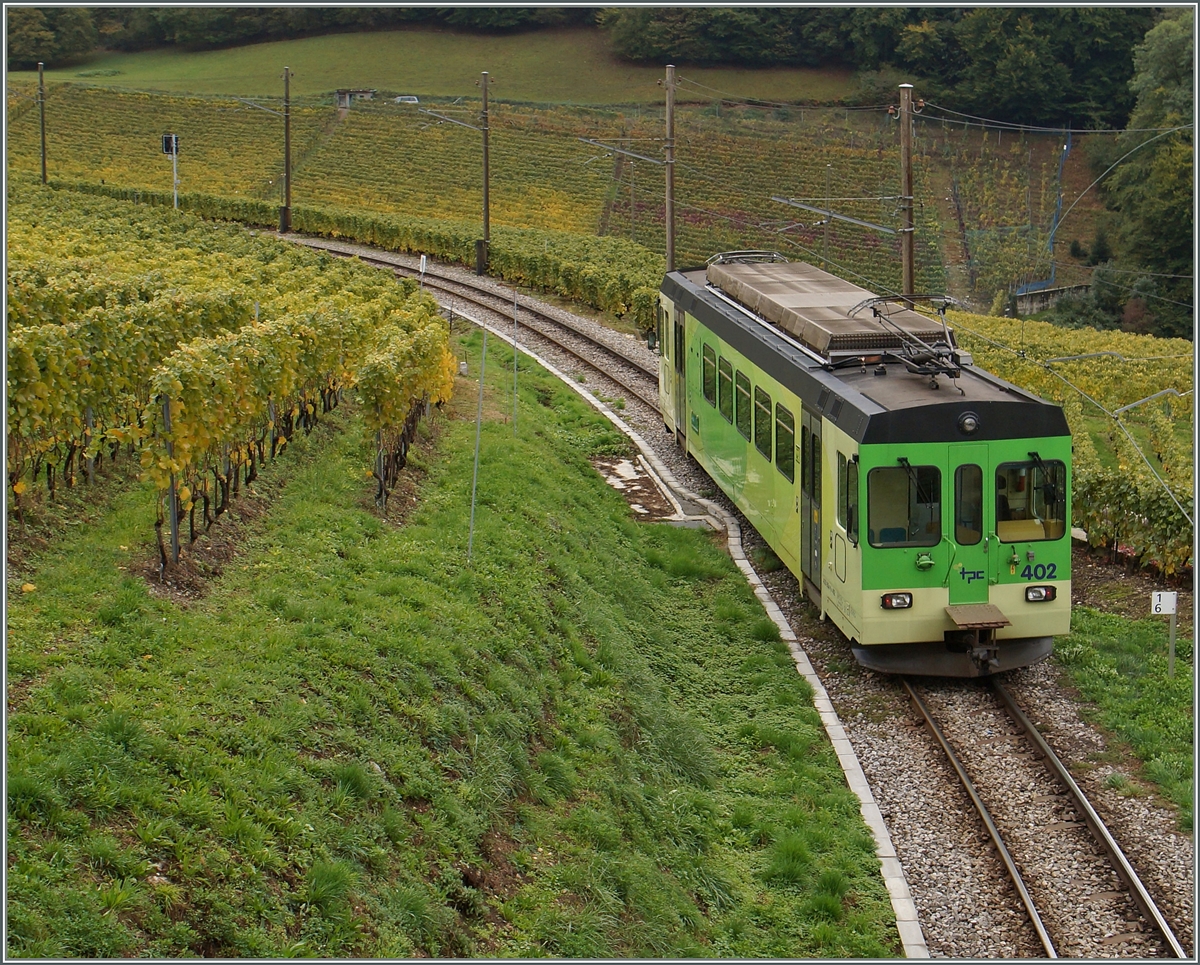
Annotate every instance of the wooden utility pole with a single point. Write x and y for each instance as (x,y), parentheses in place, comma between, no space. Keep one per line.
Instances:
(285,216)
(481,264)
(42,111)
(828,217)
(670,146)
(908,286)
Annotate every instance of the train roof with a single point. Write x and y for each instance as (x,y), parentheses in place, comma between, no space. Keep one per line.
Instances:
(825,313)
(856,389)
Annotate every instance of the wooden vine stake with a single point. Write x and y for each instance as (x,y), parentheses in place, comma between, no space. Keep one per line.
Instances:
(173,493)
(89,464)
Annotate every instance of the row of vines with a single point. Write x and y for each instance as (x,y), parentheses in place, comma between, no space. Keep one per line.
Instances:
(609,274)
(197,348)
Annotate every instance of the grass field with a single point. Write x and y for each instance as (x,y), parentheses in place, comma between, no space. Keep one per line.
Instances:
(1120,666)
(550,66)
(587,741)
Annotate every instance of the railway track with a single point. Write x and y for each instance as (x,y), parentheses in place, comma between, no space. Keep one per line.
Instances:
(967,908)
(633,376)
(1040,822)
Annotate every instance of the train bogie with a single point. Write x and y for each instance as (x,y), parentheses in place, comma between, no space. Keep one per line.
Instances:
(932,527)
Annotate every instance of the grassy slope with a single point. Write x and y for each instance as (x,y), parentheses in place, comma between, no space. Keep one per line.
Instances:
(570,65)
(1120,666)
(359,745)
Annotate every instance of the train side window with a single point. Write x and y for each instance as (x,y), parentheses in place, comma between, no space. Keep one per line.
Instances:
(725,384)
(741,383)
(847,500)
(680,343)
(1031,501)
(662,345)
(785,443)
(762,422)
(710,374)
(904,506)
(968,505)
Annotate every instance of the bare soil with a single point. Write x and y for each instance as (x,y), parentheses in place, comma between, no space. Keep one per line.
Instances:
(1098,582)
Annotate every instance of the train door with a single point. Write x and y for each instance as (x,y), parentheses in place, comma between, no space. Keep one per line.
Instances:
(969,576)
(810,503)
(680,381)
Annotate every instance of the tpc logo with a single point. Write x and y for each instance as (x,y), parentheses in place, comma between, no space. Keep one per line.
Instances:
(971,575)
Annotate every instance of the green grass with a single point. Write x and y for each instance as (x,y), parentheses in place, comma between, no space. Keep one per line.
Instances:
(1120,666)
(567,65)
(586,742)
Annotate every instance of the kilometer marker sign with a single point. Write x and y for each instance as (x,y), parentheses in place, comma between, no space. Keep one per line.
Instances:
(1163,601)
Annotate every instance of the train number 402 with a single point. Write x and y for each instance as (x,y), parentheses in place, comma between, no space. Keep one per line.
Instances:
(1043,571)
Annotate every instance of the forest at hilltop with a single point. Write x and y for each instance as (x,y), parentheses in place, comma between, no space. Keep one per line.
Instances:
(1029,65)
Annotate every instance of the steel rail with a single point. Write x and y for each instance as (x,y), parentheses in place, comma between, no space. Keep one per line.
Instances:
(558,343)
(1123,868)
(432,280)
(993,831)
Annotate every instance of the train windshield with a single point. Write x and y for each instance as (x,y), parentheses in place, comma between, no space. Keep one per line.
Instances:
(1031,500)
(904,506)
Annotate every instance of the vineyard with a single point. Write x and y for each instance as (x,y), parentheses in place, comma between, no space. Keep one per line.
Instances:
(584,222)
(986,203)
(195,348)
(1133,479)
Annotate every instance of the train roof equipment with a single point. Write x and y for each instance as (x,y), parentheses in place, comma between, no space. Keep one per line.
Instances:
(823,312)
(832,340)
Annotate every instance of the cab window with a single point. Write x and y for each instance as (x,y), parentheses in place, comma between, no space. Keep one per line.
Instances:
(1031,501)
(847,504)
(904,506)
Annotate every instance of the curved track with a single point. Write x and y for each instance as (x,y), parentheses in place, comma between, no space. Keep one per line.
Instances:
(1125,913)
(630,374)
(967,905)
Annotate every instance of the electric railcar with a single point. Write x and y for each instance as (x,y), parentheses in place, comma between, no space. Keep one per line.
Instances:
(922,503)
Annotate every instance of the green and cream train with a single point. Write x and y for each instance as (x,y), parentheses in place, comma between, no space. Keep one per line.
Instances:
(922,503)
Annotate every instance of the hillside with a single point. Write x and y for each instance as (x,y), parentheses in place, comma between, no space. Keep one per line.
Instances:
(985,204)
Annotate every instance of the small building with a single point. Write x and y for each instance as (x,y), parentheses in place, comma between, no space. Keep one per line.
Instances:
(346,95)
(405,99)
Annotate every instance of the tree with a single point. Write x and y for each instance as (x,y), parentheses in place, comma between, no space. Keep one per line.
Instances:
(30,38)
(1011,71)
(1152,189)
(50,35)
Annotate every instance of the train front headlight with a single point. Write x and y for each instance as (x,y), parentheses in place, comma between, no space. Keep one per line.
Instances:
(896,601)
(1040,594)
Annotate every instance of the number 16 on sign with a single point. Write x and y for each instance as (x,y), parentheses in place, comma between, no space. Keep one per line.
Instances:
(1164,602)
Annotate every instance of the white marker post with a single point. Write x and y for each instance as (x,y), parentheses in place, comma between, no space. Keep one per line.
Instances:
(170,145)
(1164,602)
(421,279)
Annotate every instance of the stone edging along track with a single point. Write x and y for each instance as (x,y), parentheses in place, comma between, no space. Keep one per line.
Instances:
(909,928)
